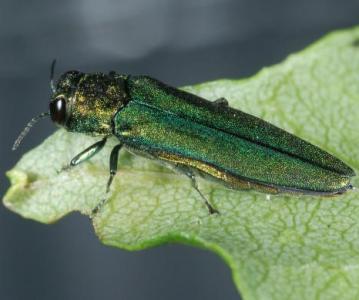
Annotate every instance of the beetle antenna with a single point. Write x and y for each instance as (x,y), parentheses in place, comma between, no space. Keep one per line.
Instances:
(27,129)
(52,73)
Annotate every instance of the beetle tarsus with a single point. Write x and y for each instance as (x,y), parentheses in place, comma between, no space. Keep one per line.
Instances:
(97,208)
(65,168)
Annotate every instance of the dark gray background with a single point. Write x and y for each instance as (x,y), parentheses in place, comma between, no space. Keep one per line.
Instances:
(180,42)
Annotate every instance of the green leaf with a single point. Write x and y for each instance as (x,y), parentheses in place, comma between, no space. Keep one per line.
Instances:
(279,248)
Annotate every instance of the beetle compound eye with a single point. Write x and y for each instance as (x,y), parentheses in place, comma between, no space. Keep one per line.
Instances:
(58,110)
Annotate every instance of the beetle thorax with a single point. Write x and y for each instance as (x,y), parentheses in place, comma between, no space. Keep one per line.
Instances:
(94,102)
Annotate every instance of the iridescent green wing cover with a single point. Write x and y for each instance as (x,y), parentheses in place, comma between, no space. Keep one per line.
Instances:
(223,142)
(153,92)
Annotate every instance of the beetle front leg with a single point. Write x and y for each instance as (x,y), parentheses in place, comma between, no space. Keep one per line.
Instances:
(86,154)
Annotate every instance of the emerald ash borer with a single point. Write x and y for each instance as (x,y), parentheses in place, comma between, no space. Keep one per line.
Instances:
(194,136)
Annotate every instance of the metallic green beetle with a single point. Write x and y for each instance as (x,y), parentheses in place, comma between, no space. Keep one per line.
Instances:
(192,135)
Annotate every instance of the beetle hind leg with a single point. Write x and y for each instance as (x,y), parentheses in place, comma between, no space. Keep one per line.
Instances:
(192,177)
(210,208)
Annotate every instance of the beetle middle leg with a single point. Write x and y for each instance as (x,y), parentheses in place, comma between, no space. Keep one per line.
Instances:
(113,165)
(113,170)
(86,154)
